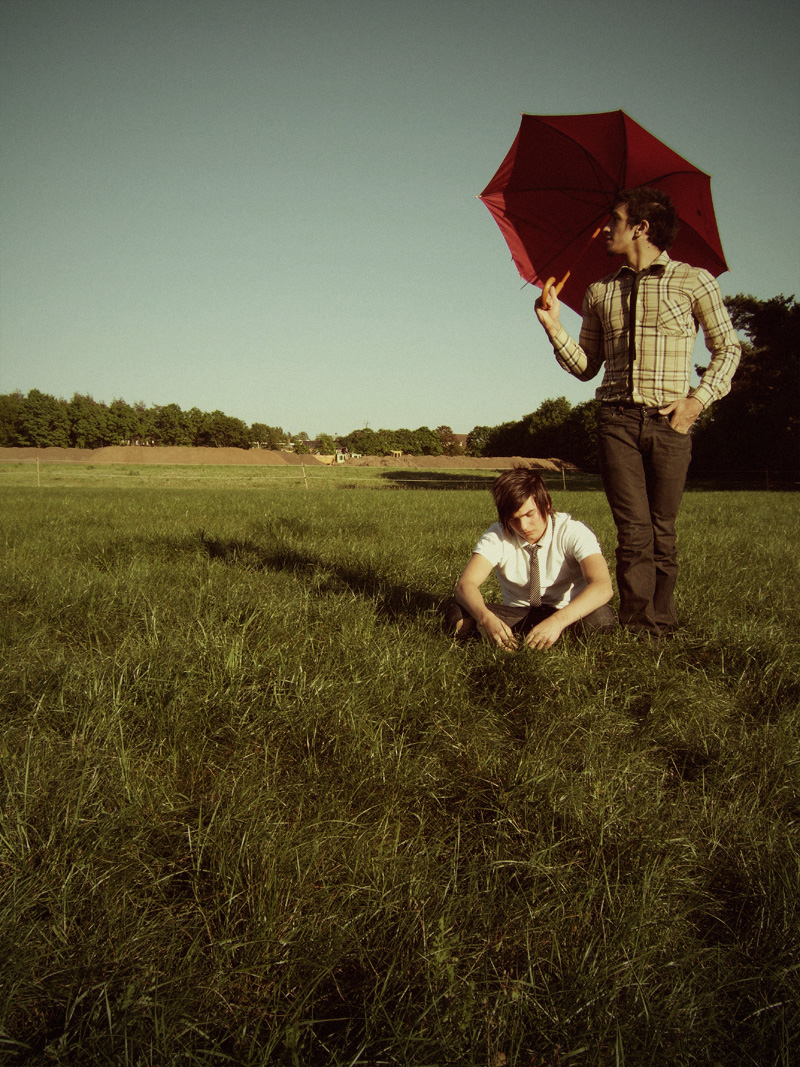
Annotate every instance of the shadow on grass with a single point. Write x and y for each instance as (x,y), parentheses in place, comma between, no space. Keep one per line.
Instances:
(473,479)
(581,481)
(407,479)
(767,687)
(392,600)
(755,483)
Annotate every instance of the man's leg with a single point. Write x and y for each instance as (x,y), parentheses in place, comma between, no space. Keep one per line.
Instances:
(521,620)
(668,457)
(622,466)
(600,621)
(459,621)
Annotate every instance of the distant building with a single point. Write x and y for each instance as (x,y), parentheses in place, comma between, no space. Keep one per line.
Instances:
(342,455)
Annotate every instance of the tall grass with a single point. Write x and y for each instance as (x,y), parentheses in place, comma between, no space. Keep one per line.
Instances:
(258,809)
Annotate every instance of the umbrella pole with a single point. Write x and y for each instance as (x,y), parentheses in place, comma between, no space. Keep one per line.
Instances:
(548,285)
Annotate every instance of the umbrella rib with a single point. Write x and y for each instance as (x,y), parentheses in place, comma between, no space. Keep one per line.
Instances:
(675,173)
(586,153)
(544,266)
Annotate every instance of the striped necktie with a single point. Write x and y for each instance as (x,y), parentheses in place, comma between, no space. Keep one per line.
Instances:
(534,585)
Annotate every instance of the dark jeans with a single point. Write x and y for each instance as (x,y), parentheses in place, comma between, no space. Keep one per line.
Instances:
(644,462)
(522,620)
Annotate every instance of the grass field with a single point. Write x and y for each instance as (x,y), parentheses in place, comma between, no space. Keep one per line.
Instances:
(129,476)
(258,809)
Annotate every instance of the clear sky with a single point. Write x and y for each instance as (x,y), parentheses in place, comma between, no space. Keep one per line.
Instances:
(268,208)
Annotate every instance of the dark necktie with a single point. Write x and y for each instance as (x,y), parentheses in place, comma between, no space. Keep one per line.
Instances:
(632,329)
(534,585)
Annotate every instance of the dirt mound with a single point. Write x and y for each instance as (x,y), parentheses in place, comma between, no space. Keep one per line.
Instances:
(458,462)
(184,456)
(178,456)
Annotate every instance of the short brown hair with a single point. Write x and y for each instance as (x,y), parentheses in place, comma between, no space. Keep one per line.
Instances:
(646,204)
(512,489)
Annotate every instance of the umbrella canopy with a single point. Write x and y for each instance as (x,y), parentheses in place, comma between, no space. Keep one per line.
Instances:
(557,185)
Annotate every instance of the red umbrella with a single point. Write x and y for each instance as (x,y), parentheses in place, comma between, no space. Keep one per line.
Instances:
(557,184)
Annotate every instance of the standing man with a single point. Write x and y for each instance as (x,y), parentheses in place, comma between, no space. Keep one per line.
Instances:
(641,322)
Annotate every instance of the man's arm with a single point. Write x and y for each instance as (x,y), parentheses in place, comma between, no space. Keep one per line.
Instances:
(721,341)
(469,596)
(598,591)
(582,360)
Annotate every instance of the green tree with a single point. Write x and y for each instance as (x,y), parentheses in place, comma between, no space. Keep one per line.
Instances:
(44,422)
(555,430)
(124,423)
(757,426)
(147,431)
(196,423)
(387,442)
(326,444)
(477,439)
(363,442)
(509,439)
(171,426)
(271,437)
(546,427)
(580,435)
(10,414)
(405,441)
(224,431)
(426,442)
(88,422)
(450,447)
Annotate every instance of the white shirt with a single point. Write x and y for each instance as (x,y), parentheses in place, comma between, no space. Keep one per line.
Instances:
(564,545)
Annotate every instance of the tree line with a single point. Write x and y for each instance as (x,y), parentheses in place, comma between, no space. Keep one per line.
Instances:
(42,421)
(756,427)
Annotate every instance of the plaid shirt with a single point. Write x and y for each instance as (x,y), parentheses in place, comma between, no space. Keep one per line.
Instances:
(673,298)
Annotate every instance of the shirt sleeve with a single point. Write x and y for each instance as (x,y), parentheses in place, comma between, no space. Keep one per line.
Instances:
(585,358)
(580,541)
(490,546)
(720,339)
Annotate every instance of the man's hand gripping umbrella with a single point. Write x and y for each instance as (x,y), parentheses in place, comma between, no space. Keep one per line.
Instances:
(544,300)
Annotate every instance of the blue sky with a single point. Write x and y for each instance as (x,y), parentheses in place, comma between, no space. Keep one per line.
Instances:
(269,208)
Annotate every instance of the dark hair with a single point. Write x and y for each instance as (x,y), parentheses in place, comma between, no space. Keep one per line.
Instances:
(512,489)
(645,204)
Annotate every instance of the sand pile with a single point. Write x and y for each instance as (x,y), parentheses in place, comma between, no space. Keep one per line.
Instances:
(140,455)
(458,462)
(178,456)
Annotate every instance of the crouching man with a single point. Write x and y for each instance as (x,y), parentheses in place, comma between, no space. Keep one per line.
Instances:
(550,568)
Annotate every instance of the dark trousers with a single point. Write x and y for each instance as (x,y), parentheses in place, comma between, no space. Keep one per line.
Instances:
(644,462)
(522,620)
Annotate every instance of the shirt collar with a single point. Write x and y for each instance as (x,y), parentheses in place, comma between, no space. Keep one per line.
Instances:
(659,263)
(544,540)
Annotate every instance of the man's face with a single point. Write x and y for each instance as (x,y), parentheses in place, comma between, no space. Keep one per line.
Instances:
(528,522)
(618,232)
